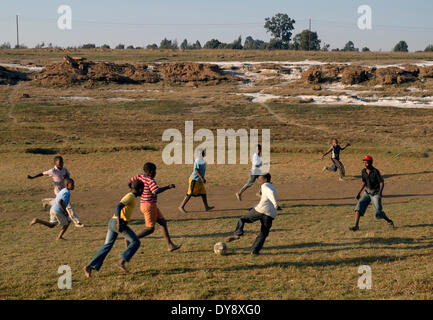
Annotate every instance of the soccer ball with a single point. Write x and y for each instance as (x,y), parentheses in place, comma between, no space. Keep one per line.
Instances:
(220,248)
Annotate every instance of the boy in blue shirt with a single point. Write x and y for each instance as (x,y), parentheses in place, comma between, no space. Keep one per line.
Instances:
(196,182)
(58,213)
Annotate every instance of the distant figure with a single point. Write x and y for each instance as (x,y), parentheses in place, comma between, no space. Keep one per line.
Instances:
(335,158)
(196,183)
(265,211)
(58,174)
(373,183)
(58,211)
(255,171)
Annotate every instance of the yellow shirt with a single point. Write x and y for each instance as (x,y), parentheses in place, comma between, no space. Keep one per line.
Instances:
(129,201)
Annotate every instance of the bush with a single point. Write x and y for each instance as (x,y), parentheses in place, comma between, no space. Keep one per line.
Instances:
(120,46)
(429,48)
(401,47)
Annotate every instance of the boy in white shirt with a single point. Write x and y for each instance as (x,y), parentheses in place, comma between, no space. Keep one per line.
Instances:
(255,171)
(265,211)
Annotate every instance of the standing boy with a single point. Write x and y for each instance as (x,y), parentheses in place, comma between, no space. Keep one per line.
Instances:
(149,207)
(265,211)
(196,182)
(119,224)
(58,213)
(255,171)
(58,174)
(335,158)
(373,183)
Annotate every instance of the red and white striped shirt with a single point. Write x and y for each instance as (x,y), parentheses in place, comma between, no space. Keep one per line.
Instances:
(149,186)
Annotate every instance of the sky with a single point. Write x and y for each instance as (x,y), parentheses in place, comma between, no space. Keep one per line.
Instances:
(139,23)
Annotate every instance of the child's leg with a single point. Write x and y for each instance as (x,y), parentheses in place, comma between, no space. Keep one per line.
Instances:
(62,232)
(249,183)
(43,222)
(47,202)
(206,206)
(360,209)
(379,213)
(163,223)
(266,222)
(133,245)
(99,257)
(149,219)
(339,165)
(184,202)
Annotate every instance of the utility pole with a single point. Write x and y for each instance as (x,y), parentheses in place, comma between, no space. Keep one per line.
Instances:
(18,39)
(309,36)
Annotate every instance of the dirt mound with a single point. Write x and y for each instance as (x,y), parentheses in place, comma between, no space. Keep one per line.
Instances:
(312,75)
(394,75)
(73,71)
(188,71)
(355,75)
(426,72)
(11,76)
(324,73)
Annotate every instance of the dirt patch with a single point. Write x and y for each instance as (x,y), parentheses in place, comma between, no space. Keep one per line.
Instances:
(394,75)
(426,72)
(11,76)
(355,75)
(187,72)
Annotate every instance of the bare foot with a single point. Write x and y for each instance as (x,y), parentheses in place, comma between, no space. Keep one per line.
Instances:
(174,247)
(33,221)
(209,208)
(122,267)
(61,238)
(238,196)
(340,179)
(232,238)
(88,271)
(324,169)
(182,210)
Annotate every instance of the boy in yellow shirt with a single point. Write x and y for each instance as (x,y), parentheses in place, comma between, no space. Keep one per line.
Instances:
(119,224)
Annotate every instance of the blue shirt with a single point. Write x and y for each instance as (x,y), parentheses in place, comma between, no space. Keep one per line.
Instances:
(199,165)
(65,195)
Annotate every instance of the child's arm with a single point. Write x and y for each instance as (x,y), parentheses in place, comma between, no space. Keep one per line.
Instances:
(347,145)
(119,208)
(160,190)
(359,193)
(36,176)
(329,150)
(63,207)
(199,175)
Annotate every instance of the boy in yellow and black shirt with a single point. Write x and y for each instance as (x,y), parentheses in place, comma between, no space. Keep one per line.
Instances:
(119,224)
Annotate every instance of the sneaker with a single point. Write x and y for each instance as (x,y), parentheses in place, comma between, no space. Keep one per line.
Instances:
(355,228)
(232,238)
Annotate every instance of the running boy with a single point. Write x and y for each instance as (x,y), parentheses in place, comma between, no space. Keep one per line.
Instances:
(255,171)
(196,182)
(335,158)
(373,183)
(59,173)
(265,211)
(58,214)
(149,207)
(119,224)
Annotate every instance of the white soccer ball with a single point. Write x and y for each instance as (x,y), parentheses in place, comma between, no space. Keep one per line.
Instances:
(220,248)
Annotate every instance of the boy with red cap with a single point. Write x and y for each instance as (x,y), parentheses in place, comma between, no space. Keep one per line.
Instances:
(373,183)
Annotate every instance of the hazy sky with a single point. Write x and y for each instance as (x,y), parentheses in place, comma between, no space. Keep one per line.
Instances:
(143,22)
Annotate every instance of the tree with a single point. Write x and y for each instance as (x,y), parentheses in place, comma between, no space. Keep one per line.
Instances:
(429,48)
(401,47)
(326,47)
(120,46)
(212,44)
(40,45)
(237,44)
(275,44)
(306,40)
(152,46)
(365,49)
(130,47)
(350,46)
(5,45)
(105,46)
(251,44)
(184,44)
(84,46)
(196,45)
(168,44)
(280,26)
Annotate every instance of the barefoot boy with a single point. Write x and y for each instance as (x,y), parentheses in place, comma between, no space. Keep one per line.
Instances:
(59,173)
(265,211)
(58,214)
(149,207)
(119,224)
(373,183)
(196,182)
(335,158)
(255,171)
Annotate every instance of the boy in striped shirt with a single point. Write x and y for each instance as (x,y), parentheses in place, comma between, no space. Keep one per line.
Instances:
(148,204)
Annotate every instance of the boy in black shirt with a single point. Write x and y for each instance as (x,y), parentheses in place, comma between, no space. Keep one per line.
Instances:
(335,158)
(373,183)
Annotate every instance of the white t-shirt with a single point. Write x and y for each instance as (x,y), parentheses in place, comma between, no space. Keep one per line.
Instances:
(256,164)
(268,202)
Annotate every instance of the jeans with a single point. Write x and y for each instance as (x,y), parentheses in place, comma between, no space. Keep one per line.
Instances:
(376,202)
(251,217)
(130,236)
(249,183)
(337,165)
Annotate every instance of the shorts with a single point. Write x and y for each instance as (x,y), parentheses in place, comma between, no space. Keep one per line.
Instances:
(376,202)
(151,214)
(59,218)
(195,188)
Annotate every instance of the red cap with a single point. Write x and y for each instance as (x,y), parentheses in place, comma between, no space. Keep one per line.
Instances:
(368,158)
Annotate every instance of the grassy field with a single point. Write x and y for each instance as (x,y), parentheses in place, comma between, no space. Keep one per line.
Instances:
(310,253)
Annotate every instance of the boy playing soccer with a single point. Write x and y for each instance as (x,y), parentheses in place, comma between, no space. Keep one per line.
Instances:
(59,173)
(255,171)
(119,224)
(265,211)
(373,183)
(335,158)
(58,214)
(149,207)
(196,182)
